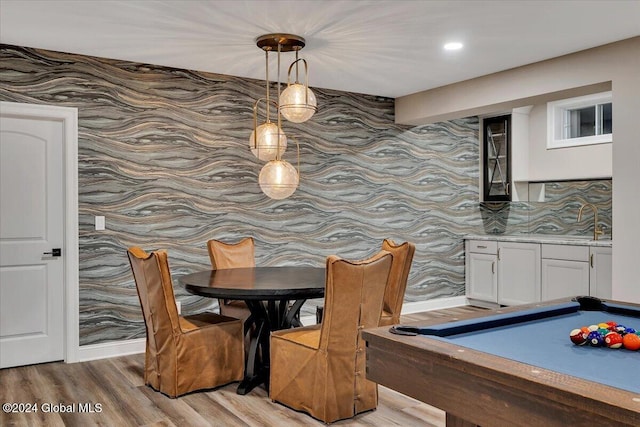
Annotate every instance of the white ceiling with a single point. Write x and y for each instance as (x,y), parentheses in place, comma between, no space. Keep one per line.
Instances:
(388,48)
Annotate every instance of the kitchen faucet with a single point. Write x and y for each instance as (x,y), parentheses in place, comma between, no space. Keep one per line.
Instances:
(596,230)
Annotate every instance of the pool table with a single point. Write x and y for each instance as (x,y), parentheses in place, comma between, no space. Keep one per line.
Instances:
(514,366)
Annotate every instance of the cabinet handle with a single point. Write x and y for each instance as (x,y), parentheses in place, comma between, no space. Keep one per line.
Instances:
(591,260)
(493,267)
(499,254)
(482,247)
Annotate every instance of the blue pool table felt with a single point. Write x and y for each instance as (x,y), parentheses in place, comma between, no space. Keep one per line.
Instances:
(545,343)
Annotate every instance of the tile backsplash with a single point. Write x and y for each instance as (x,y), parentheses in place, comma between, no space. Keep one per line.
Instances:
(557,214)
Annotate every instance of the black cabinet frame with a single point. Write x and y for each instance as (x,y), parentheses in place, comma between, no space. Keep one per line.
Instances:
(496,159)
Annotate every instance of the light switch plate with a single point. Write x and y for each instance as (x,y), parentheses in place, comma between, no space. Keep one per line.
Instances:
(100,223)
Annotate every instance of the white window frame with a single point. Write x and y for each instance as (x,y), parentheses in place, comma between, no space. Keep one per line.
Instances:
(557,121)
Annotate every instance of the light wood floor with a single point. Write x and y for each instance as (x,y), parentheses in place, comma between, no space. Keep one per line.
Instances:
(116,384)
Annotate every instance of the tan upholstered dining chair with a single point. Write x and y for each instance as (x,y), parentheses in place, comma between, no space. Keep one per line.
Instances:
(320,369)
(232,255)
(397,284)
(183,353)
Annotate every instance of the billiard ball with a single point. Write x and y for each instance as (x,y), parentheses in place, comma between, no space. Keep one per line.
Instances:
(593,328)
(613,340)
(603,325)
(611,324)
(629,331)
(631,342)
(595,339)
(578,337)
(620,329)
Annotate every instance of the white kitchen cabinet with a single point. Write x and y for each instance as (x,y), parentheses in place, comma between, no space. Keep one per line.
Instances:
(569,270)
(562,278)
(565,271)
(503,273)
(600,275)
(514,272)
(482,280)
(480,262)
(518,273)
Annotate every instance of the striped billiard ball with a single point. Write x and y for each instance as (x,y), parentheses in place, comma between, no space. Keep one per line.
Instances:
(578,337)
(613,340)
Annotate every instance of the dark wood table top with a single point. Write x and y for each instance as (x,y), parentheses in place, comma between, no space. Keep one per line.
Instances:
(258,283)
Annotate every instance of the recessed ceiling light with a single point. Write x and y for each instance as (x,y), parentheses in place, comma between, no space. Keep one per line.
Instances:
(453,46)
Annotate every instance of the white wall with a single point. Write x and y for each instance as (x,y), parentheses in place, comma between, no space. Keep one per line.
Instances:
(618,63)
(581,162)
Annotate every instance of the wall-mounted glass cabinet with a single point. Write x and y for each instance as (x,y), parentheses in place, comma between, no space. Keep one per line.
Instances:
(496,159)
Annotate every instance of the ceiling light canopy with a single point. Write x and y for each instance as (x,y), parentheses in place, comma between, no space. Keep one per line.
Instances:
(297,103)
(453,46)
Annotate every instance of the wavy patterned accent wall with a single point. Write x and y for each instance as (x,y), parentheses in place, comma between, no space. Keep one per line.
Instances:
(164,156)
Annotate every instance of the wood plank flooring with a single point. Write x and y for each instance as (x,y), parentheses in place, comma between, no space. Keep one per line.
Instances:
(62,391)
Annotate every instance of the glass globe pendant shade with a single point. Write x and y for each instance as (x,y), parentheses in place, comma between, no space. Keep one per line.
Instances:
(266,147)
(294,106)
(278,179)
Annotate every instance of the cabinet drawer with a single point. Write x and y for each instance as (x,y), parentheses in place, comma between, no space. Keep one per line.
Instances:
(565,252)
(483,246)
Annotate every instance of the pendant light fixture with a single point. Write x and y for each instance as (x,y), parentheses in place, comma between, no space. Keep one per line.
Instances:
(267,141)
(298,102)
(278,178)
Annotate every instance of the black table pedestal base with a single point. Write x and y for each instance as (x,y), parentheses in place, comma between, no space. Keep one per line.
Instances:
(266,316)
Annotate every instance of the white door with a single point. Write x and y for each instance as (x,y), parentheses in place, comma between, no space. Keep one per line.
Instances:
(31,224)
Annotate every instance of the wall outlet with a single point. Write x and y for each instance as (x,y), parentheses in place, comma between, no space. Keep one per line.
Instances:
(100,223)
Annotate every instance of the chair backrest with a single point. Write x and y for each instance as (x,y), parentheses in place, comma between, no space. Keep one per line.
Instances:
(353,300)
(232,255)
(155,290)
(397,284)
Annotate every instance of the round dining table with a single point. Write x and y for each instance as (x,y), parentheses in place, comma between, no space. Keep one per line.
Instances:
(274,296)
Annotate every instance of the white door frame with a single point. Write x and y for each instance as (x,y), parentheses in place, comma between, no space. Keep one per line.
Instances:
(69,118)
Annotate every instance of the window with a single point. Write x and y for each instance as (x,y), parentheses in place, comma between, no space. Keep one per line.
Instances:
(578,121)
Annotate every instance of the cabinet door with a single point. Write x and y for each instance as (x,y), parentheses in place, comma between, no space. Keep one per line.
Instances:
(482,281)
(518,273)
(600,277)
(561,278)
(496,158)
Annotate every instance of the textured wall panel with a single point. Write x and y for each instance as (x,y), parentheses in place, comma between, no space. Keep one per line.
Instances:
(557,214)
(164,156)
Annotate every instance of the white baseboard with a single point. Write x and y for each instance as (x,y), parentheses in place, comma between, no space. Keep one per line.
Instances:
(433,304)
(413,307)
(111,349)
(124,348)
